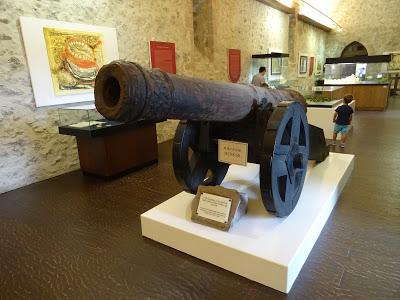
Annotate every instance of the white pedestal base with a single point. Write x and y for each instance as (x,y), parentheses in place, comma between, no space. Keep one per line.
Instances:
(260,246)
(323,116)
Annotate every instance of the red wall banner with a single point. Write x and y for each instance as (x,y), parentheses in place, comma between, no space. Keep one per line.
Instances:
(162,55)
(234,65)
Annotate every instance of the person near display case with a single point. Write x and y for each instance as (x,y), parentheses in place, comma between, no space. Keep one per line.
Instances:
(258,79)
(342,119)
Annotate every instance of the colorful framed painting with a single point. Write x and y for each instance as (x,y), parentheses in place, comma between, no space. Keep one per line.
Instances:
(64,58)
(74,58)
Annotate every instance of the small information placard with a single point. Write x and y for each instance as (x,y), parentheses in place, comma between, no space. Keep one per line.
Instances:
(234,153)
(214,207)
(218,207)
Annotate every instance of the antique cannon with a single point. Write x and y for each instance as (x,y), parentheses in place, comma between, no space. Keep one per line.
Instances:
(272,122)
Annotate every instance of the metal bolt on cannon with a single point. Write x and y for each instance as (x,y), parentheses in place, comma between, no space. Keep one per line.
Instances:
(272,122)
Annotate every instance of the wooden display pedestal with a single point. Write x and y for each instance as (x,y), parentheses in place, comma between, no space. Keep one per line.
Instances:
(111,155)
(368,96)
(114,151)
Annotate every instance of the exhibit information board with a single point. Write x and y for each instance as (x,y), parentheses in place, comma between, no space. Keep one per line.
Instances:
(64,58)
(162,55)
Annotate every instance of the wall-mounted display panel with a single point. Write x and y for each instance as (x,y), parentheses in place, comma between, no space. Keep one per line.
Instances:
(162,56)
(276,65)
(303,65)
(64,58)
(318,66)
(394,64)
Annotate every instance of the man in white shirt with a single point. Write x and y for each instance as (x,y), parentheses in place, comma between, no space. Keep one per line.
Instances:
(258,79)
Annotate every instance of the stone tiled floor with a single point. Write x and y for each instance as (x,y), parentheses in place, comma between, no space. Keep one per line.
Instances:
(79,237)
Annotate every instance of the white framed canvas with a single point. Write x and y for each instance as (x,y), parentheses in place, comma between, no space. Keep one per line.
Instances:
(303,65)
(64,58)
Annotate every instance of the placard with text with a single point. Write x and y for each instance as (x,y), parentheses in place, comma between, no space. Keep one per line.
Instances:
(162,56)
(214,207)
(218,207)
(231,152)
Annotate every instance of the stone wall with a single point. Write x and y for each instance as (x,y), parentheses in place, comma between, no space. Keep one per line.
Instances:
(30,147)
(373,23)
(203,27)
(308,40)
(247,25)
(203,30)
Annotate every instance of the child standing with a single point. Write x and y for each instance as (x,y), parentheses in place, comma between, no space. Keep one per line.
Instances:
(342,119)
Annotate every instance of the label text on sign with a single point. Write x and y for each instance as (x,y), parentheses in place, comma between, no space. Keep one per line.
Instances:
(214,207)
(234,153)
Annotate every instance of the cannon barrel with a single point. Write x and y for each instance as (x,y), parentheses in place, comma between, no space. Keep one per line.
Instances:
(124,91)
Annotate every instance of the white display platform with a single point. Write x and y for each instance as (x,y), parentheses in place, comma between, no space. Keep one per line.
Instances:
(323,116)
(260,246)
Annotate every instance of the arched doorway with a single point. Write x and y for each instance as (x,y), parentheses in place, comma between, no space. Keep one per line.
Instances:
(354,49)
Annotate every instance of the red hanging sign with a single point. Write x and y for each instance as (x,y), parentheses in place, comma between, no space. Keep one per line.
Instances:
(162,56)
(234,64)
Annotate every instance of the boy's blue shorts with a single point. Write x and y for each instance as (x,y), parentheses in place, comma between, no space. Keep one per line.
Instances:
(341,128)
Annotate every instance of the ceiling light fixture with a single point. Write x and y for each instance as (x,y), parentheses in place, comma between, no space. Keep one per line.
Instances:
(287,3)
(309,11)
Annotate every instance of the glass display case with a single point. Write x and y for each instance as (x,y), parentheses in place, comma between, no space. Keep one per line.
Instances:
(108,148)
(325,96)
(356,72)
(276,65)
(84,117)
(365,77)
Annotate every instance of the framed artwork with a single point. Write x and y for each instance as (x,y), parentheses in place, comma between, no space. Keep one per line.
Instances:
(162,56)
(311,66)
(74,58)
(234,65)
(64,58)
(276,65)
(318,67)
(303,65)
(394,64)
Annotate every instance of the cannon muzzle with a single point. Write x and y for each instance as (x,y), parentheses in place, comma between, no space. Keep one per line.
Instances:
(124,91)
